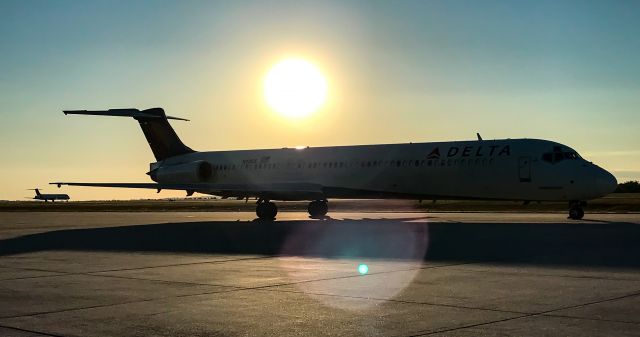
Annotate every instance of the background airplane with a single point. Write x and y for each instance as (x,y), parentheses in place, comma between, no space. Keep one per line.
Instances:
(47,197)
(507,169)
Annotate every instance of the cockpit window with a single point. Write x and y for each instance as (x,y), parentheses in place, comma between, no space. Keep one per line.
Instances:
(571,155)
(558,154)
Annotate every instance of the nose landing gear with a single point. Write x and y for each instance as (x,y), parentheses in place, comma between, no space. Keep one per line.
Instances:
(576,211)
(318,208)
(266,210)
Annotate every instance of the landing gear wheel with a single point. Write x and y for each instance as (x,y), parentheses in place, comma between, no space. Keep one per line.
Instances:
(266,210)
(576,209)
(318,208)
(576,213)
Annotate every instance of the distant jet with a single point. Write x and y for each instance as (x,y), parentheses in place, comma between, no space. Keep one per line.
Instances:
(47,197)
(508,169)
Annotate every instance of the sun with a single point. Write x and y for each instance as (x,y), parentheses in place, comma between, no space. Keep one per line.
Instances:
(295,88)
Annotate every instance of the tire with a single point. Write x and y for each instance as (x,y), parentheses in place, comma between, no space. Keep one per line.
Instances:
(576,213)
(318,209)
(266,210)
(272,210)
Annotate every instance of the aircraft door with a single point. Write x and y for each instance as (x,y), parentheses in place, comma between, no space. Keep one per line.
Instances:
(524,169)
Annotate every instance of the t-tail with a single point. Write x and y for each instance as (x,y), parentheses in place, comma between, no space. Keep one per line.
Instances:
(162,139)
(37,191)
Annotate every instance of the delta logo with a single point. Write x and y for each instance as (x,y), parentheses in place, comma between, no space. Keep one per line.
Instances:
(472,151)
(435,154)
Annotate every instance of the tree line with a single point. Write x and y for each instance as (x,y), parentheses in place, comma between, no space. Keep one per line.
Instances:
(628,187)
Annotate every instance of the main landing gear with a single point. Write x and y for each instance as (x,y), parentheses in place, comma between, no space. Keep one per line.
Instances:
(318,208)
(266,210)
(576,211)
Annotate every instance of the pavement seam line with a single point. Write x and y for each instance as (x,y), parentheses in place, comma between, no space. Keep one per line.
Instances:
(182,264)
(546,275)
(542,313)
(138,268)
(235,289)
(30,331)
(591,318)
(398,301)
(109,305)
(97,274)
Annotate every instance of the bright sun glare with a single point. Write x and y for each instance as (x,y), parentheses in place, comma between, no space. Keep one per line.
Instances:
(295,88)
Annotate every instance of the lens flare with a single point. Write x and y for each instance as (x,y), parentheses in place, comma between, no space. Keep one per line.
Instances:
(344,251)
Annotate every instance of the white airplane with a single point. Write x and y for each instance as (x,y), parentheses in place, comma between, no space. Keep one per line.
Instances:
(47,197)
(508,169)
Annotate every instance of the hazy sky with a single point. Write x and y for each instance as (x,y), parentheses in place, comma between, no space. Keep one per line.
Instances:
(397,71)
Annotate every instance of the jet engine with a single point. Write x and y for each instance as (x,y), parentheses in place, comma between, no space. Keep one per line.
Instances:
(192,172)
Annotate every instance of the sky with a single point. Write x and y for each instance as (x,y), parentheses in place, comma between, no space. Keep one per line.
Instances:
(397,71)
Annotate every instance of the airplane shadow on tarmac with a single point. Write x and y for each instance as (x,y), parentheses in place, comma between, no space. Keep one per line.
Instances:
(580,243)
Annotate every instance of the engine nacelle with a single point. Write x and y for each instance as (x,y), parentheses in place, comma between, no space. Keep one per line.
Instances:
(193,172)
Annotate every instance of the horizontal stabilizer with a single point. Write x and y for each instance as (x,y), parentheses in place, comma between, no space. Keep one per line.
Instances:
(135,113)
(161,137)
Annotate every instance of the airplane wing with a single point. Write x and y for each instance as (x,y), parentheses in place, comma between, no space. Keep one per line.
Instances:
(276,191)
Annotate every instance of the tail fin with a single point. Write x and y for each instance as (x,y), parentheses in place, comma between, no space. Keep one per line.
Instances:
(35,189)
(162,139)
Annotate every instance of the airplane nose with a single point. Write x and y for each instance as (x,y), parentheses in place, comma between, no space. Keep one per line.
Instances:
(606,183)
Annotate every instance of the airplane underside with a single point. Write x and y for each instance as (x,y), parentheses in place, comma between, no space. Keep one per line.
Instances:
(318,207)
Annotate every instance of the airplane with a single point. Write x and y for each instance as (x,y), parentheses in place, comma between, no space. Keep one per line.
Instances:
(47,197)
(505,169)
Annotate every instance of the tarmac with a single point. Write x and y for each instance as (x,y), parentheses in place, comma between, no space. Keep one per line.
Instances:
(359,274)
